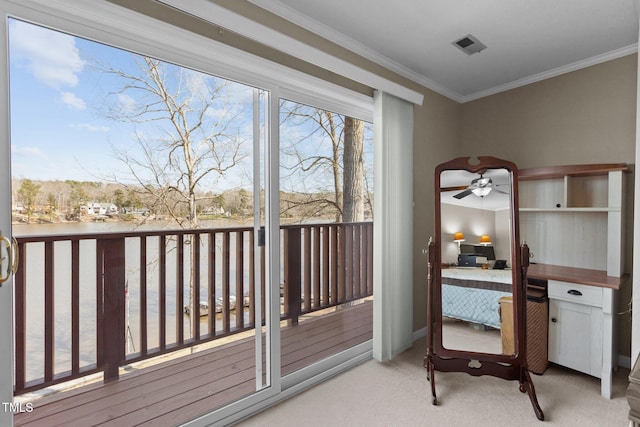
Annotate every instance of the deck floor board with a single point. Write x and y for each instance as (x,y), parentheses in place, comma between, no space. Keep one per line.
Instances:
(177,390)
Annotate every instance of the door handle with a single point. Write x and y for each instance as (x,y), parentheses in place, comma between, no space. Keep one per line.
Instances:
(11,247)
(14,255)
(574,292)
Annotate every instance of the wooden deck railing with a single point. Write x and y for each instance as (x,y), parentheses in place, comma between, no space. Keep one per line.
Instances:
(324,265)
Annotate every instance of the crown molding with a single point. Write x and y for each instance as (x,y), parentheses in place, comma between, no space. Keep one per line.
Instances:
(233,21)
(286,12)
(574,66)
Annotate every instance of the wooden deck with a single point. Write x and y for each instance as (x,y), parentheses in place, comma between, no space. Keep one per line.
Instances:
(173,392)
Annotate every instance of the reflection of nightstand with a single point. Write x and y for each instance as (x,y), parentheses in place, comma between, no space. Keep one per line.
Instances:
(537,309)
(506,324)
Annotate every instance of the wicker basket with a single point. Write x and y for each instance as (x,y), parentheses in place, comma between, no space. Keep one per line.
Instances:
(537,333)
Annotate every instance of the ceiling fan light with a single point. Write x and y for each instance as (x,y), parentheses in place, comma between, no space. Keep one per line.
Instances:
(481,191)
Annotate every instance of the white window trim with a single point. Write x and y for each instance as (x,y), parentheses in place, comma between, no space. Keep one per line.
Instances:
(635,325)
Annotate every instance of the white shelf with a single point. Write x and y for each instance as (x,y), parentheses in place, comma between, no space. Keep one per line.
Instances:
(563,216)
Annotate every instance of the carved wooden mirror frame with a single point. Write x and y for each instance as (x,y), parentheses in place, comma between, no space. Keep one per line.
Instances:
(438,357)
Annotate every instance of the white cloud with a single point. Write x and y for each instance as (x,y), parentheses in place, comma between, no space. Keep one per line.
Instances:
(72,101)
(90,128)
(196,82)
(27,151)
(126,102)
(52,57)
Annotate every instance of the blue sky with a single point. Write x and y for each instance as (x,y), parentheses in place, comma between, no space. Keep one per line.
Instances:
(59,130)
(56,132)
(59,99)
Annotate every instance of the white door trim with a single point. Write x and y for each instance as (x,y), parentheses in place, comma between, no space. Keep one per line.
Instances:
(6,291)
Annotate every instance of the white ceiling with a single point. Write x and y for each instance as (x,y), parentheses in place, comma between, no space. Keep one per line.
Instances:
(495,200)
(526,40)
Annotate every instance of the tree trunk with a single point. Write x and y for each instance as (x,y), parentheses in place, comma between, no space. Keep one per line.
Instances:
(353,175)
(335,163)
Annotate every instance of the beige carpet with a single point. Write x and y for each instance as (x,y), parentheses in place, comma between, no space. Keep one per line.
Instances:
(397,393)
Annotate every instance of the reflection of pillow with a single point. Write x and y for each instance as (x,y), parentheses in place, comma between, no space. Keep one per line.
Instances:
(500,264)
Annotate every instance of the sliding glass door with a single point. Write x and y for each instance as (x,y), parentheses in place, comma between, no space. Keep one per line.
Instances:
(326,207)
(191,233)
(140,209)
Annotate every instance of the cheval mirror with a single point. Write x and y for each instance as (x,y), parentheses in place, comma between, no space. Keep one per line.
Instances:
(477,275)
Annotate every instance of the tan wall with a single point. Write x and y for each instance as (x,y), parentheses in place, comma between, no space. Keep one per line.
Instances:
(587,116)
(436,136)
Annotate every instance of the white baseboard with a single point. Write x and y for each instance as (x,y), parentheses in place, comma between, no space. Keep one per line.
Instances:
(624,361)
(419,334)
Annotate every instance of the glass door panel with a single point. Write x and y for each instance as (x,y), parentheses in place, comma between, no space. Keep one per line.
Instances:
(326,188)
(138,204)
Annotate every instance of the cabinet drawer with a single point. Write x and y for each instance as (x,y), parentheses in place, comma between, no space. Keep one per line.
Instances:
(576,293)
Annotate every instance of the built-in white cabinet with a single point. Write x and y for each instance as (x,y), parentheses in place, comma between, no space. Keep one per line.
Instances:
(575,326)
(572,217)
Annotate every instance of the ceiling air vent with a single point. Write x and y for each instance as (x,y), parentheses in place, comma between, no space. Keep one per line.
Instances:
(469,44)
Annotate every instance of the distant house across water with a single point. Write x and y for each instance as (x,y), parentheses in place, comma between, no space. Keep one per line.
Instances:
(95,208)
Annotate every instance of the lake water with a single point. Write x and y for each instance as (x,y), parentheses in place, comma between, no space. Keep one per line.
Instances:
(62,296)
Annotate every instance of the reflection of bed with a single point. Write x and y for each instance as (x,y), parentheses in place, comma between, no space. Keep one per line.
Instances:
(472,294)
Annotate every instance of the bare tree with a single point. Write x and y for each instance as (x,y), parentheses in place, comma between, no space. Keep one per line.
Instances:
(186,141)
(188,133)
(329,166)
(353,194)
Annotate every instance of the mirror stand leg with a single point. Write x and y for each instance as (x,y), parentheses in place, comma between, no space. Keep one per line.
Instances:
(426,363)
(432,379)
(527,386)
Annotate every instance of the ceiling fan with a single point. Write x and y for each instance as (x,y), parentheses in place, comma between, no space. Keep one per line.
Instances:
(480,187)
